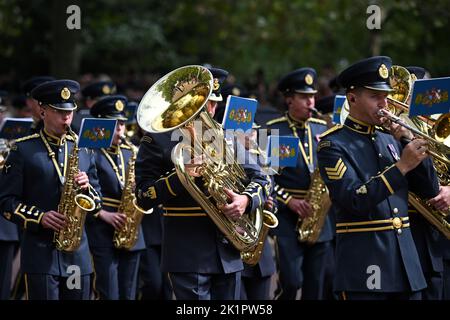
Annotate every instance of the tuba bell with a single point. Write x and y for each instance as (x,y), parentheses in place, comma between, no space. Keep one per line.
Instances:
(177,101)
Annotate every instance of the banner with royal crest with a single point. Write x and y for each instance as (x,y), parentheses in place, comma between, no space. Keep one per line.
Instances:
(96,133)
(239,113)
(282,151)
(430,96)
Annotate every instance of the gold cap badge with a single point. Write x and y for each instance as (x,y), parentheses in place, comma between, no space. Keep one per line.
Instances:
(413,77)
(65,93)
(309,79)
(383,71)
(216,84)
(106,89)
(119,105)
(236,92)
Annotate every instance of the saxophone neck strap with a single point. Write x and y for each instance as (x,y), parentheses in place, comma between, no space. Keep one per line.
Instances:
(52,156)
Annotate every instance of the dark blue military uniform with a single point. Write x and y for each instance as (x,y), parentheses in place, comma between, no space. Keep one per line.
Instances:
(155,283)
(369,194)
(9,240)
(301,265)
(376,257)
(30,186)
(427,239)
(192,244)
(116,270)
(445,244)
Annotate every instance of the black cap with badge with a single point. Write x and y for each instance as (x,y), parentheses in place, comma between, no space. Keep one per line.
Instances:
(110,107)
(58,94)
(299,81)
(371,73)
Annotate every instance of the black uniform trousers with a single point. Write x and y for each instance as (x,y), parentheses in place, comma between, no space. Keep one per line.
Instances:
(7,249)
(50,287)
(155,283)
(200,286)
(303,267)
(119,271)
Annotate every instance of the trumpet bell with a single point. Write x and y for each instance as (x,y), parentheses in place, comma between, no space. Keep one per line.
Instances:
(174,99)
(441,129)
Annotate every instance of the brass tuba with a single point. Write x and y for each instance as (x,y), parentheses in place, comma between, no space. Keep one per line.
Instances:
(178,100)
(318,197)
(126,237)
(73,204)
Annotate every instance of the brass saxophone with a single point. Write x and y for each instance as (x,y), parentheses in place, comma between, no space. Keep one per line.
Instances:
(73,205)
(127,236)
(309,228)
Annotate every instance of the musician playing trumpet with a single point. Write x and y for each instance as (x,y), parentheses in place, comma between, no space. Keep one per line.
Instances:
(369,175)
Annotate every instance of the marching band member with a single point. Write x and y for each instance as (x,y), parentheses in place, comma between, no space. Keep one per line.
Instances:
(30,191)
(201,262)
(369,174)
(301,265)
(116,270)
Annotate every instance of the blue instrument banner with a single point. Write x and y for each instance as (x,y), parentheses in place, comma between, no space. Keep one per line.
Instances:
(96,133)
(283,151)
(430,96)
(239,113)
(15,128)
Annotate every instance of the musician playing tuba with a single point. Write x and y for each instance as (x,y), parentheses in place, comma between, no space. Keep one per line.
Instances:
(32,183)
(202,261)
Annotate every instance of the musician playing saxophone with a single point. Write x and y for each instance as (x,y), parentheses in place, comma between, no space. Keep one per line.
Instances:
(31,184)
(201,262)
(115,269)
(301,265)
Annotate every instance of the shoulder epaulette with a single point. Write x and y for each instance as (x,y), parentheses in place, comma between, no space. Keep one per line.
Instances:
(273,121)
(315,120)
(331,130)
(32,136)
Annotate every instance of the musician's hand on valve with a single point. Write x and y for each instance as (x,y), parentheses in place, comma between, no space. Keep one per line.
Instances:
(442,201)
(82,180)
(116,219)
(400,132)
(412,155)
(301,207)
(236,206)
(53,220)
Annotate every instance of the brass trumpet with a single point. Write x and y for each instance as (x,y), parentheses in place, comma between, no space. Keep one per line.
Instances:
(436,149)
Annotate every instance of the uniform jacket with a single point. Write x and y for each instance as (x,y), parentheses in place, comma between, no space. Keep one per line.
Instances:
(370,196)
(29,187)
(294,182)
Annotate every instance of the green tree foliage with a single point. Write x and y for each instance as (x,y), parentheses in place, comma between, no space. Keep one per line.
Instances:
(273,36)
